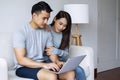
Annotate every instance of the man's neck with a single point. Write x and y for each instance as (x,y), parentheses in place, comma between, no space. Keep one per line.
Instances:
(33,25)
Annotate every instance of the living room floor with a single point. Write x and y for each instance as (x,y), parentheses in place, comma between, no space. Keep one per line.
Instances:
(113,74)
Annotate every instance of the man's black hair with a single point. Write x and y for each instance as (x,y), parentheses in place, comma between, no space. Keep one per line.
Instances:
(40,6)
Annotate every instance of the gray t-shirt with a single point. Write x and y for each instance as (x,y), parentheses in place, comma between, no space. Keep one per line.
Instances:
(33,40)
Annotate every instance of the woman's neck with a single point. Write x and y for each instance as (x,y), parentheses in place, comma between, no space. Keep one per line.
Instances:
(53,28)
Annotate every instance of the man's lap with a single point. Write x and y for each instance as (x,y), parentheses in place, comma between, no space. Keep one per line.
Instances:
(27,72)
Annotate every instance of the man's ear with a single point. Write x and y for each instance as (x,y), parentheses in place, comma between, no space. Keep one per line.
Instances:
(34,14)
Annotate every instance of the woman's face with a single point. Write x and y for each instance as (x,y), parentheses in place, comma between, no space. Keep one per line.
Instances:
(60,24)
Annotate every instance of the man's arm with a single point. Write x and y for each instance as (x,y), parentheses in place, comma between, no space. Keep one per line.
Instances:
(20,54)
(54,58)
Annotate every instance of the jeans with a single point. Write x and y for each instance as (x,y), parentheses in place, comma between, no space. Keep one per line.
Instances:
(79,73)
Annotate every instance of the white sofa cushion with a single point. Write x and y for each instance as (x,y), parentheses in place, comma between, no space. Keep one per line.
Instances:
(6,49)
(3,69)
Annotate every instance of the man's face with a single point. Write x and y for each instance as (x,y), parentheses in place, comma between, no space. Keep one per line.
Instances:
(41,19)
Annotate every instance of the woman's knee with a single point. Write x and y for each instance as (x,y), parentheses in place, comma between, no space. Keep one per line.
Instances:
(71,75)
(68,75)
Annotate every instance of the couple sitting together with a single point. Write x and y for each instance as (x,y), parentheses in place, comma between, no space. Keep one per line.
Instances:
(38,50)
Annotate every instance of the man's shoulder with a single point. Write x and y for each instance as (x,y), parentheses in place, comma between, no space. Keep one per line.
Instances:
(23,28)
(45,31)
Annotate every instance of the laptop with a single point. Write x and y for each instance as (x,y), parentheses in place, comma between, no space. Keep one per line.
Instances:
(71,64)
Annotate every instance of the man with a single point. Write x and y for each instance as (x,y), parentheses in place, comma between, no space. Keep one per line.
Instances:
(29,44)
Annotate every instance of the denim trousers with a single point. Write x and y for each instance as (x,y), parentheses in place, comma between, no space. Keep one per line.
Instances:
(79,73)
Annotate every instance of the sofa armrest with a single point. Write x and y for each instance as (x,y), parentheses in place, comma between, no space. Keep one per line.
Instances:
(3,69)
(87,61)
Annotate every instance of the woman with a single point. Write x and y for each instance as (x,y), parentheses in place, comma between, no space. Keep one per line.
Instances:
(60,30)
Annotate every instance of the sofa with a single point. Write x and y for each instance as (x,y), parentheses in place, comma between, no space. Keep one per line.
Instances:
(7,71)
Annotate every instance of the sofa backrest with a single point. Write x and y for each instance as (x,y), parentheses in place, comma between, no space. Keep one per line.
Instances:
(6,49)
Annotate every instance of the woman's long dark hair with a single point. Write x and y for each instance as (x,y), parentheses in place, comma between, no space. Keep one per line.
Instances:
(66,33)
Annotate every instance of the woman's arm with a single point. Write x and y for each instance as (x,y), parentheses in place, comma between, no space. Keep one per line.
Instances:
(59,52)
(52,50)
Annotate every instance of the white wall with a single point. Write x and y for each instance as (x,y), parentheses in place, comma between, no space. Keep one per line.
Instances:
(108,45)
(14,14)
(119,29)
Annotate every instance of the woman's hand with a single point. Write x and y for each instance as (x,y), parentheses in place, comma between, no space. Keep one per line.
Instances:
(47,28)
(49,50)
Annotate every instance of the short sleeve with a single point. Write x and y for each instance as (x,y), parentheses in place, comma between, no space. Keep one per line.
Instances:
(49,40)
(19,39)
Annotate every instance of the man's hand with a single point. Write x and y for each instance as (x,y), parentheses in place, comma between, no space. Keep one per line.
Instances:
(49,50)
(59,63)
(52,66)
